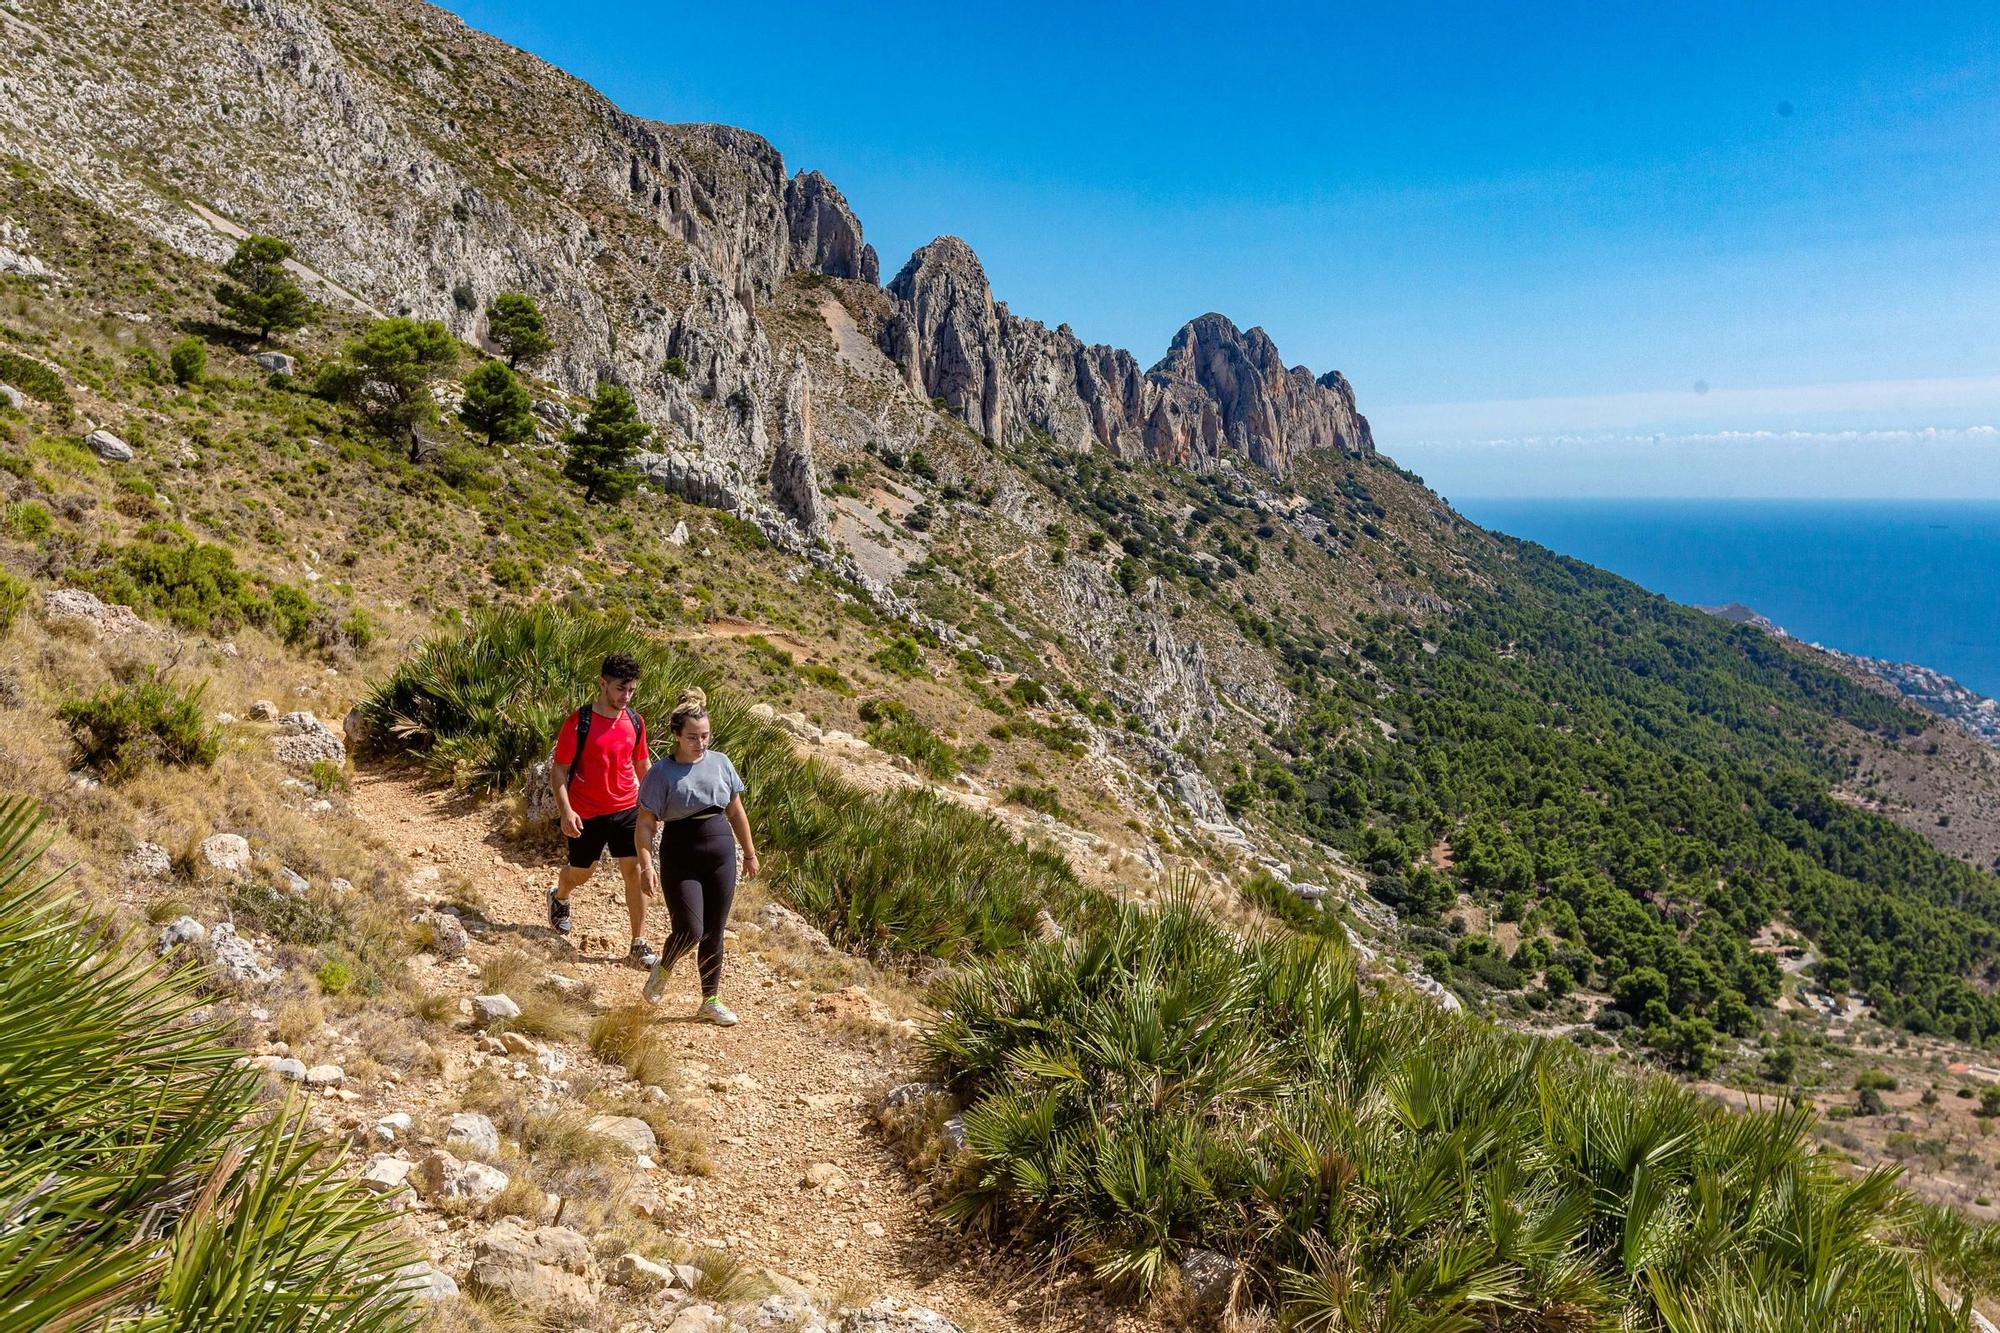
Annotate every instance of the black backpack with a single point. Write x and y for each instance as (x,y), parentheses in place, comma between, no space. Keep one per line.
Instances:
(583,717)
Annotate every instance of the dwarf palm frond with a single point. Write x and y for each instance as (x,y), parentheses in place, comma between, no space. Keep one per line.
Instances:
(137,1189)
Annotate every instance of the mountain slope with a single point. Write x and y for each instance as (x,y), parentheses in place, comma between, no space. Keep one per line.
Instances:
(1191,607)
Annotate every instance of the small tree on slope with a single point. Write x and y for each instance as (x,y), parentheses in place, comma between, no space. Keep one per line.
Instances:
(601,451)
(385,374)
(514,322)
(260,293)
(497,405)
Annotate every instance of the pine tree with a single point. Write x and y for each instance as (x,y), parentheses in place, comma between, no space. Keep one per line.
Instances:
(497,405)
(514,322)
(386,372)
(260,293)
(601,451)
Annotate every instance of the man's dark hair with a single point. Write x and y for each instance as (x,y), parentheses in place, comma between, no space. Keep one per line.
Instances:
(621,666)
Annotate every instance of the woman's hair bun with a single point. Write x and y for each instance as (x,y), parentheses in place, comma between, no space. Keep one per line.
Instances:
(692,697)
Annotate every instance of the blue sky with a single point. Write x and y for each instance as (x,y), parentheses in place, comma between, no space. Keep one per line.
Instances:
(1560,249)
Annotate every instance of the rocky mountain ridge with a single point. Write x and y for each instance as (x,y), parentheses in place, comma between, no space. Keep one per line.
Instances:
(421,167)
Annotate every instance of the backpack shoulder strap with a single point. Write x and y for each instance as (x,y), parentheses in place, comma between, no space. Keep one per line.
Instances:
(639,732)
(582,736)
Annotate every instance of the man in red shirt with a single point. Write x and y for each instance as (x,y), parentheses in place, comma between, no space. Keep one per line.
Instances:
(596,785)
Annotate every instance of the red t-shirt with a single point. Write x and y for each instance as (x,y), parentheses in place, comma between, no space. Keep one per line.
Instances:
(603,784)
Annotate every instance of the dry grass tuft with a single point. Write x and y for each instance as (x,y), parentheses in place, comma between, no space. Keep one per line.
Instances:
(625,1037)
(726,1276)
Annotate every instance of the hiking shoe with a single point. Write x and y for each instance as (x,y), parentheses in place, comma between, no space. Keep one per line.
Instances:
(656,985)
(558,913)
(643,955)
(715,1011)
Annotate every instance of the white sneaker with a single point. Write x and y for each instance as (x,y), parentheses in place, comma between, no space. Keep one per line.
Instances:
(656,985)
(715,1011)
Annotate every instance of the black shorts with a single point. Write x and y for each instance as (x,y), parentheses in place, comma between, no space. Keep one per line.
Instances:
(601,831)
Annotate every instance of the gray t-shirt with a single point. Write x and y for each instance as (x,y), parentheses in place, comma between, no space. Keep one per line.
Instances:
(674,790)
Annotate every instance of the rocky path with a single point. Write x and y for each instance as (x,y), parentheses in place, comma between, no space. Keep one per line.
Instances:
(783,1093)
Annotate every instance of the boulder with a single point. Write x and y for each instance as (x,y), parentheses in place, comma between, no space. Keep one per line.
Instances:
(536,1268)
(636,1272)
(448,938)
(13,397)
(386,1174)
(277,363)
(263,710)
(474,1133)
(226,853)
(520,1044)
(899,1101)
(295,884)
(787,927)
(304,740)
(628,1131)
(425,1285)
(441,1177)
(1207,1278)
(890,1314)
(109,447)
(74,606)
(325,1076)
(699,1319)
(491,1009)
(236,958)
(182,930)
(679,536)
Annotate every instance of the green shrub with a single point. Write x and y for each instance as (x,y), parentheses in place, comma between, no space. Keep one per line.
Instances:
(13,596)
(197,586)
(902,657)
(894,729)
(335,977)
(901,873)
(1264,891)
(33,378)
(1369,1160)
(327,776)
(149,1184)
(189,361)
(122,729)
(1045,799)
(826,677)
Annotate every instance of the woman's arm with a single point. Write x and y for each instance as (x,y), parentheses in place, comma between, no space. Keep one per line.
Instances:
(645,837)
(739,820)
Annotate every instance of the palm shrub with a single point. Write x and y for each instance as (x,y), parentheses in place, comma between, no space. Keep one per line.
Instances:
(142,1184)
(1369,1161)
(902,873)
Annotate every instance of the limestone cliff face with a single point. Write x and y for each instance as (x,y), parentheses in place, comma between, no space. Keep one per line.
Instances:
(420,167)
(1218,388)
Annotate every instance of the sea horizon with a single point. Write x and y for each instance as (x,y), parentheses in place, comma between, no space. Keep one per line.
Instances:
(1902,580)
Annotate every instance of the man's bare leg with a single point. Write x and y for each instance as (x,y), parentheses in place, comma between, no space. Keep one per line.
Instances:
(635,896)
(571,879)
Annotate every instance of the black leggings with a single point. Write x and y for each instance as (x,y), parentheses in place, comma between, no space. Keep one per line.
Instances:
(698,878)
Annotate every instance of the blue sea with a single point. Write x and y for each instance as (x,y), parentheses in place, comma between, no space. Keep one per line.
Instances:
(1912,581)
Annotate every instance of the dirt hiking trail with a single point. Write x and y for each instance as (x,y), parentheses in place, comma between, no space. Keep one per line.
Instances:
(783,1091)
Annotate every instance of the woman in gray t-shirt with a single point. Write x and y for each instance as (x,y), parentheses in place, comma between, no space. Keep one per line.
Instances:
(693,800)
